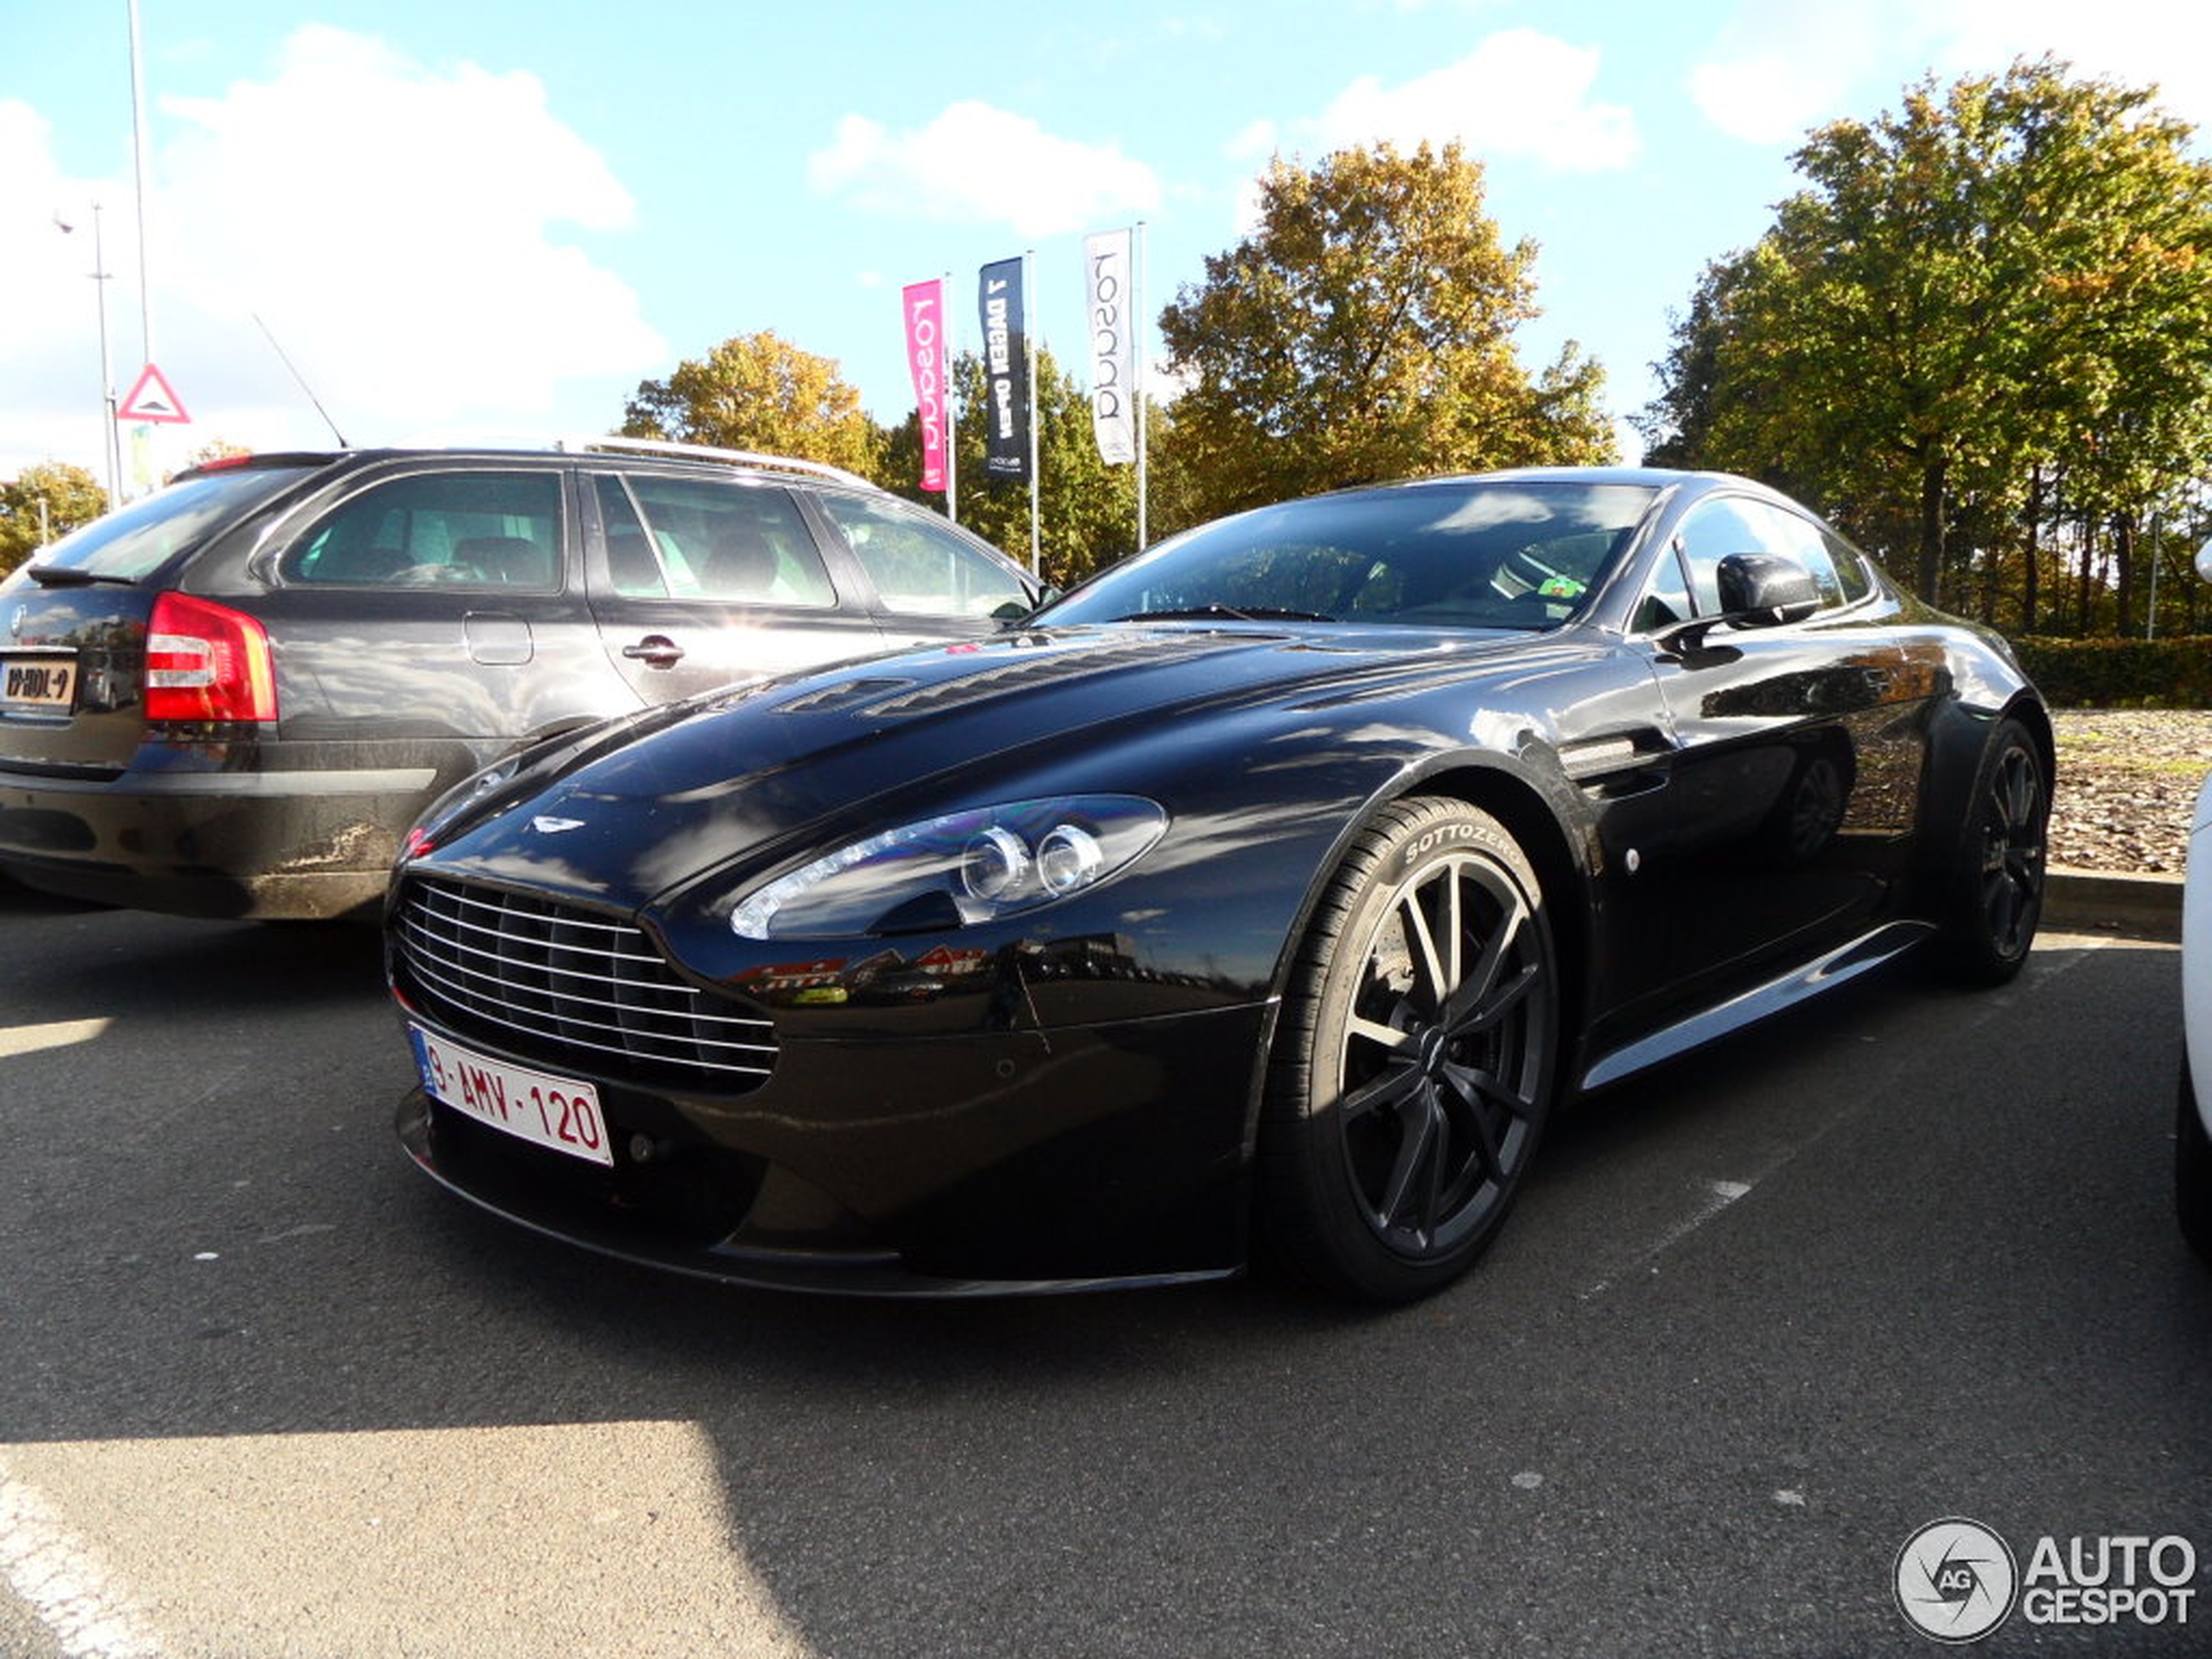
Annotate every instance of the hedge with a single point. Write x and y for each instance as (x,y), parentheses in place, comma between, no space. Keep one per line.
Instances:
(2121,673)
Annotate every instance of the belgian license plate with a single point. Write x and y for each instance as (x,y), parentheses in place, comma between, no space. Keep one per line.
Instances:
(558,1113)
(38,683)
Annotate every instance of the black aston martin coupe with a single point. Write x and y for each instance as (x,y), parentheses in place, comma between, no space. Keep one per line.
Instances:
(1285,877)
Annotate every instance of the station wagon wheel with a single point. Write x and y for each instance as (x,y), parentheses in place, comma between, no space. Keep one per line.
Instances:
(1996,898)
(1413,1072)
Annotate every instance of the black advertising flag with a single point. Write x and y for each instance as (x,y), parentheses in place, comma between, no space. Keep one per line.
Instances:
(1006,371)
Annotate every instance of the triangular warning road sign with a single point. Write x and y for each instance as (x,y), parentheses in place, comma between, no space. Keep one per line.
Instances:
(152,400)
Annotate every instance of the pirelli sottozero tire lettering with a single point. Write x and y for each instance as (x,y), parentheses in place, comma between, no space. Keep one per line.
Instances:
(1413,1071)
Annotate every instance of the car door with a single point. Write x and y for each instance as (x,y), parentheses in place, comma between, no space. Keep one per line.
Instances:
(931,580)
(698,582)
(427,602)
(1794,777)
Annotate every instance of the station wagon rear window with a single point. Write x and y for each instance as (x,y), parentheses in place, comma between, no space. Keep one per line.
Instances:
(147,534)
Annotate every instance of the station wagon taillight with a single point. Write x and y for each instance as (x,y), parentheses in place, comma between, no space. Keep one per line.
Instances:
(206,662)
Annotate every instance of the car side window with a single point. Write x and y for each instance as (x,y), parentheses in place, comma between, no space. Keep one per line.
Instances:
(479,530)
(918,566)
(1850,569)
(1800,538)
(695,538)
(1666,595)
(1710,535)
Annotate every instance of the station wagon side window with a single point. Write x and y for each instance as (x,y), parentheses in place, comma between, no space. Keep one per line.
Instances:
(918,566)
(474,530)
(696,538)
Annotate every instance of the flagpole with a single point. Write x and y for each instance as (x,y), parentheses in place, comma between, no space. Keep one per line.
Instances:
(1137,352)
(1029,344)
(952,400)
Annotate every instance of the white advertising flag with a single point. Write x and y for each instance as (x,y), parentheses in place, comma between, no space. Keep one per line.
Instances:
(1109,309)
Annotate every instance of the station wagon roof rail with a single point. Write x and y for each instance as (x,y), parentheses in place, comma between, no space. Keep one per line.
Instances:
(707,452)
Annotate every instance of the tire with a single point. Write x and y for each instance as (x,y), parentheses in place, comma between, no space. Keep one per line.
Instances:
(2192,1171)
(1414,1062)
(1995,896)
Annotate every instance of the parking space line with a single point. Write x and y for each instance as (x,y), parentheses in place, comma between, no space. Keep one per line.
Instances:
(63,1583)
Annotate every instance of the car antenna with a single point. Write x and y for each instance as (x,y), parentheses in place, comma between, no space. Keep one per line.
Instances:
(302,379)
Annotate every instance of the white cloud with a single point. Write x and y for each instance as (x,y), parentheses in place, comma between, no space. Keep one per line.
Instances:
(974,165)
(394,225)
(2142,43)
(1521,94)
(1771,73)
(49,325)
(1253,143)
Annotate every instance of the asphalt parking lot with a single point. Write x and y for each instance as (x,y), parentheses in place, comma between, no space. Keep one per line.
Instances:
(264,1391)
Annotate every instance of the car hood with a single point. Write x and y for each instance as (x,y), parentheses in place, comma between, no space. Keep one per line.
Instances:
(758,774)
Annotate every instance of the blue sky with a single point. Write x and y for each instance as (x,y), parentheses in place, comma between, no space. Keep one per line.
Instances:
(496,218)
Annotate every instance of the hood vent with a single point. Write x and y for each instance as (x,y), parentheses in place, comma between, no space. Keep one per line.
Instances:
(1049,668)
(834,698)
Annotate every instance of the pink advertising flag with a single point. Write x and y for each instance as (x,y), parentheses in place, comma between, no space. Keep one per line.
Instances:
(925,361)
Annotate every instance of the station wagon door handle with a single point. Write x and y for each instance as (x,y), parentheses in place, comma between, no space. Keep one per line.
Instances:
(656,651)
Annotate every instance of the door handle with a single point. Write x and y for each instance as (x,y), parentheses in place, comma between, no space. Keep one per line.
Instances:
(655,651)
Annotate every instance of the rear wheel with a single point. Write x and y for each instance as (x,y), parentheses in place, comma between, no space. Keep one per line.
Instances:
(1412,1072)
(1996,896)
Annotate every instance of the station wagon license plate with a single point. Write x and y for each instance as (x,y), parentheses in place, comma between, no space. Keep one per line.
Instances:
(47,682)
(558,1113)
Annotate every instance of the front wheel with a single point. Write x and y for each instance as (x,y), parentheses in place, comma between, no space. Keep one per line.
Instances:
(1413,1066)
(1996,887)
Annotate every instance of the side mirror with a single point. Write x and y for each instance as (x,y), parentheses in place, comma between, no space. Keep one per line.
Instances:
(1763,591)
(2204,561)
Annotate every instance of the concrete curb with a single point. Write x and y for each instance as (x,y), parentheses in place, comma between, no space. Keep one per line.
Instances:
(2138,906)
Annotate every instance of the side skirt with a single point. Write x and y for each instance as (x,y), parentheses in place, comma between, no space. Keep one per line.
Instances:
(1824,973)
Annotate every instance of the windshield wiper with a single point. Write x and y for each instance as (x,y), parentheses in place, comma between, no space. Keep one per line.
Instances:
(64,575)
(1249,613)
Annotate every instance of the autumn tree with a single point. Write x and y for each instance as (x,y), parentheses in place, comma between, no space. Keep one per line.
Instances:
(759,392)
(1363,331)
(44,503)
(2004,285)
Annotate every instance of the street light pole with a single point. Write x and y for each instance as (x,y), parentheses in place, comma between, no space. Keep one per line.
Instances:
(111,442)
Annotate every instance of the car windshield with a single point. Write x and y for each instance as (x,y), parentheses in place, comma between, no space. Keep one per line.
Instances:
(1482,553)
(139,539)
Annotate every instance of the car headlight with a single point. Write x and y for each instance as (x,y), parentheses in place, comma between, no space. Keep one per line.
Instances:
(952,870)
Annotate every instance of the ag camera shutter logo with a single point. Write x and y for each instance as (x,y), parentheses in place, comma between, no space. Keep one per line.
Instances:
(1956,1580)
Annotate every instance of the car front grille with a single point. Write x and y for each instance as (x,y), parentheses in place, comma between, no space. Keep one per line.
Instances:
(570,987)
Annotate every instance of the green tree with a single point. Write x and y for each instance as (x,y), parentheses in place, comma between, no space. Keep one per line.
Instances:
(2006,274)
(1086,509)
(759,392)
(44,502)
(1365,331)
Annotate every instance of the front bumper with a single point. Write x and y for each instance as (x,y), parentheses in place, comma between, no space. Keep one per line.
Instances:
(989,1163)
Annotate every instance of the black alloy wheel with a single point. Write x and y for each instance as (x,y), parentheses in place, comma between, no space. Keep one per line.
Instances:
(1413,1074)
(1997,900)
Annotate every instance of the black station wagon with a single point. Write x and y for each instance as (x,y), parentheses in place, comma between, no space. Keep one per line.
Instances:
(231,698)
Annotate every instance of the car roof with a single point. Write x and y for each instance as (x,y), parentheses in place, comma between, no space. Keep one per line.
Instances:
(687,457)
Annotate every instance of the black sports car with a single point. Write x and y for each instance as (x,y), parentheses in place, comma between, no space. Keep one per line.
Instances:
(1286,876)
